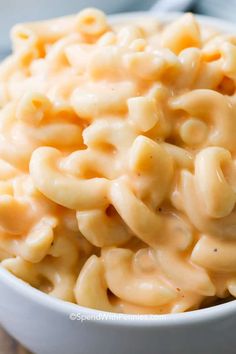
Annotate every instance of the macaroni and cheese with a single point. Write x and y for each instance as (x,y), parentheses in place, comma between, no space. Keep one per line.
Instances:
(118,162)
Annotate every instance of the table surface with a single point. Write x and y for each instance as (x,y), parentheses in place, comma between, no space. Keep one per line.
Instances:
(9,345)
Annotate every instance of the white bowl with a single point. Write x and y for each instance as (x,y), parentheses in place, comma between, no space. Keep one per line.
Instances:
(49,326)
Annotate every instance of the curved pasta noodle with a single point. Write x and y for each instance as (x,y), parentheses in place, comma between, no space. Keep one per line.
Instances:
(190,61)
(118,133)
(91,22)
(84,163)
(223,227)
(60,135)
(215,192)
(135,213)
(149,291)
(187,277)
(181,157)
(60,188)
(182,34)
(210,105)
(216,255)
(22,218)
(101,229)
(143,112)
(33,107)
(58,269)
(35,245)
(107,99)
(148,160)
(96,296)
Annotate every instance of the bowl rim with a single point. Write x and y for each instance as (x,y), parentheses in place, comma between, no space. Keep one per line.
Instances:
(165,17)
(67,309)
(135,320)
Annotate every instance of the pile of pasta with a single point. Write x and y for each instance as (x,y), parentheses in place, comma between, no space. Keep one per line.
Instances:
(117,162)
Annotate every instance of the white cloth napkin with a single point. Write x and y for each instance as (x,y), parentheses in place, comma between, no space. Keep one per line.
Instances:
(172,5)
(225,9)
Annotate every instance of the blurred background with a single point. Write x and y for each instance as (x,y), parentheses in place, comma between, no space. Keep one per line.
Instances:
(14,11)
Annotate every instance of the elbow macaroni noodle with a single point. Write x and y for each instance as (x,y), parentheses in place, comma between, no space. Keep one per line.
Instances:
(118,162)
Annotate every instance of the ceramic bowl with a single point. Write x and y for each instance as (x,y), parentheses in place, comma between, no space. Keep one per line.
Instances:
(47,325)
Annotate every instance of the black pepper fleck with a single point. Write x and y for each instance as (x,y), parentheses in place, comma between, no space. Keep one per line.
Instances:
(215,249)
